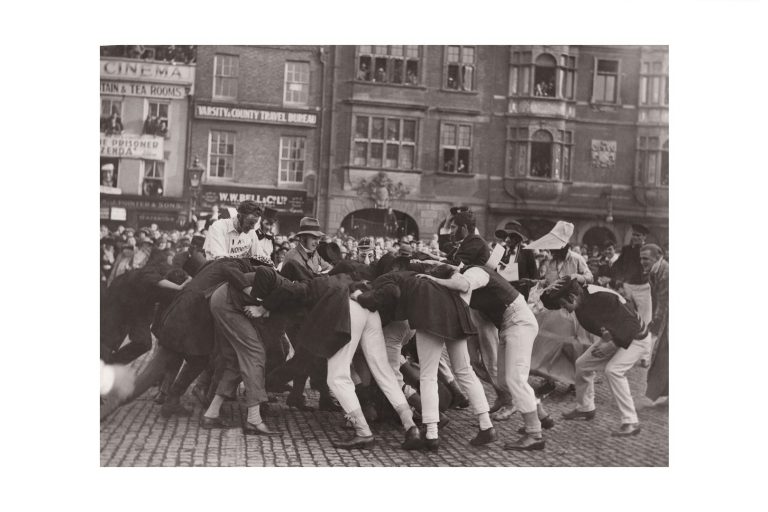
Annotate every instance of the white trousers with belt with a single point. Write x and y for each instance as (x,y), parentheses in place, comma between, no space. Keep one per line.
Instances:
(367,333)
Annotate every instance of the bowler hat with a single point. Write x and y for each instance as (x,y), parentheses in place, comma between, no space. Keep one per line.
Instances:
(309,226)
(502,234)
(405,251)
(330,252)
(557,238)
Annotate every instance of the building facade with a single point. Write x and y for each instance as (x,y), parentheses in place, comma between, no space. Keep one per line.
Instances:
(526,133)
(256,127)
(145,93)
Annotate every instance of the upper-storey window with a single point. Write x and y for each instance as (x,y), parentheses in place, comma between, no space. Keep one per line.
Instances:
(545,77)
(654,84)
(393,64)
(545,154)
(606,81)
(384,142)
(227,69)
(296,83)
(456,147)
(652,162)
(460,68)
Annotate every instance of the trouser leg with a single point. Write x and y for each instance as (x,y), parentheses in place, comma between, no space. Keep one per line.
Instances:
(584,379)
(457,351)
(488,340)
(193,367)
(140,341)
(519,330)
(339,379)
(429,347)
(396,333)
(615,371)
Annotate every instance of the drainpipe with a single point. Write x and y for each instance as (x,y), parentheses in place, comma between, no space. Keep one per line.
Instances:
(331,138)
(321,135)
(188,150)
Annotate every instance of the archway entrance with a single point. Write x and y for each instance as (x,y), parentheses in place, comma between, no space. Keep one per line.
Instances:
(597,236)
(380,222)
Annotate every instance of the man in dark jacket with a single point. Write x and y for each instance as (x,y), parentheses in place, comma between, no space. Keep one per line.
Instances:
(657,268)
(471,248)
(624,340)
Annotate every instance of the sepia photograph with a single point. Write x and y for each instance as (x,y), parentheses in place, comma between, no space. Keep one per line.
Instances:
(384,255)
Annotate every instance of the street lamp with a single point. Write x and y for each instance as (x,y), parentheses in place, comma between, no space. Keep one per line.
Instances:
(196,171)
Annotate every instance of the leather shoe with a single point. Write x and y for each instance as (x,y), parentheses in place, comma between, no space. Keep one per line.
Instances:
(260,429)
(525,444)
(546,422)
(627,429)
(506,412)
(362,442)
(298,402)
(412,439)
(209,423)
(431,445)
(329,404)
(484,437)
(174,408)
(579,415)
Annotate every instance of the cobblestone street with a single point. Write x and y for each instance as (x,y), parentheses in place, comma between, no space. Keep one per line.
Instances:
(136,435)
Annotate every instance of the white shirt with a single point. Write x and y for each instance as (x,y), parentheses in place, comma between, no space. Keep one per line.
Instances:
(477,278)
(223,241)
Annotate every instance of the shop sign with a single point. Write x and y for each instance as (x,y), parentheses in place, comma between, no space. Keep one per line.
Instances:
(144,147)
(283,200)
(116,69)
(173,92)
(142,203)
(254,115)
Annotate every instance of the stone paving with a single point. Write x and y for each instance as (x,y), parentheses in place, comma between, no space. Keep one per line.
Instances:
(136,435)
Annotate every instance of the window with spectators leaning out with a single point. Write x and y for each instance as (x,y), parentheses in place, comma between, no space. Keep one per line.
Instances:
(384,142)
(544,154)
(222,154)
(154,174)
(456,147)
(292,151)
(460,68)
(157,121)
(227,69)
(111,116)
(392,64)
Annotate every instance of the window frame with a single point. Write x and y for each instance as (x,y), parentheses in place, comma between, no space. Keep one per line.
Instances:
(375,53)
(152,164)
(217,76)
(221,155)
(286,86)
(649,164)
(460,86)
(148,107)
(522,80)
(520,149)
(280,160)
(112,99)
(645,89)
(456,148)
(617,84)
(385,141)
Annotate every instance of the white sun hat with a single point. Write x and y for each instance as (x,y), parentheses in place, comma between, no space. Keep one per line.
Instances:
(555,239)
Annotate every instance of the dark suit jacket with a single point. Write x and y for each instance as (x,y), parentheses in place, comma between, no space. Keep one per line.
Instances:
(473,250)
(659,280)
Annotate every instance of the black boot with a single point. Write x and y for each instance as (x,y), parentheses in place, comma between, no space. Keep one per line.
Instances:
(328,403)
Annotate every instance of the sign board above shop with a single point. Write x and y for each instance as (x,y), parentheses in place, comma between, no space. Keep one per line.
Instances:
(254,115)
(166,91)
(144,147)
(160,72)
(282,200)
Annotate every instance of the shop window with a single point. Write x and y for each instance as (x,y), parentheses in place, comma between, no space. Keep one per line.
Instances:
(111,116)
(109,168)
(455,147)
(664,179)
(544,76)
(296,83)
(395,64)
(606,81)
(154,177)
(384,142)
(292,154)
(221,154)
(654,87)
(541,155)
(460,68)
(156,122)
(225,76)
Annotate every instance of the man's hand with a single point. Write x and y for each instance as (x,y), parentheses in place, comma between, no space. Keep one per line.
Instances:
(355,294)
(605,348)
(579,278)
(256,312)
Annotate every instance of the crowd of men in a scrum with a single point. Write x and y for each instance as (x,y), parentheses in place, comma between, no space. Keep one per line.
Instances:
(399,336)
